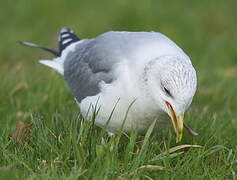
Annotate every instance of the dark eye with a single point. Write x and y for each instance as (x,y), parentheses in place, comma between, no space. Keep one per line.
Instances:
(167,92)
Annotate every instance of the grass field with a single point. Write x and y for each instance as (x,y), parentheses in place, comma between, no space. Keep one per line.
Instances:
(63,146)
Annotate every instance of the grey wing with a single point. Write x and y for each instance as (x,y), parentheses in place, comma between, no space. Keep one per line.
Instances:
(87,66)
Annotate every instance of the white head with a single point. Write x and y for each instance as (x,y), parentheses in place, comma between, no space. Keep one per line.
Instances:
(172,83)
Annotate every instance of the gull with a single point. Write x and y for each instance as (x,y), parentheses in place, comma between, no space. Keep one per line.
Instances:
(128,78)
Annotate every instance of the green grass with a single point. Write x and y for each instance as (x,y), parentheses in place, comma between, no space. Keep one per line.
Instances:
(64,146)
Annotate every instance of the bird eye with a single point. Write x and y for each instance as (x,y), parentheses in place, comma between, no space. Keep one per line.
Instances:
(167,92)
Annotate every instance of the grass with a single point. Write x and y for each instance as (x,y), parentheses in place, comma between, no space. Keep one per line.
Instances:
(63,145)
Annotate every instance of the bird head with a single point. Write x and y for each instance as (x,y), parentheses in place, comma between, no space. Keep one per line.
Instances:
(172,84)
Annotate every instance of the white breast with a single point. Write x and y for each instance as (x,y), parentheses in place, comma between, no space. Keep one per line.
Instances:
(116,98)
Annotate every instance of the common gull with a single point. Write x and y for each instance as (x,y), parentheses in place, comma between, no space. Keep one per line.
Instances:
(128,78)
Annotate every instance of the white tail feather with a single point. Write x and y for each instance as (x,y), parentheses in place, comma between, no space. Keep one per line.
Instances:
(56,64)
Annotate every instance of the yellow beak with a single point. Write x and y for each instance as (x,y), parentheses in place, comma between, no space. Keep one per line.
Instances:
(177,122)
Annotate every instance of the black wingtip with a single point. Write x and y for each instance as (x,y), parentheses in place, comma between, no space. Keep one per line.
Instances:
(66,38)
(28,44)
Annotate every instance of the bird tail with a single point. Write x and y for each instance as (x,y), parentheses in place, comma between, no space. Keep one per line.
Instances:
(65,39)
